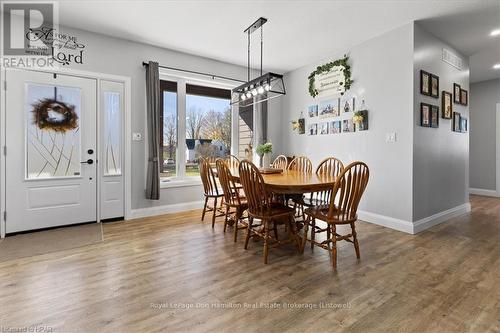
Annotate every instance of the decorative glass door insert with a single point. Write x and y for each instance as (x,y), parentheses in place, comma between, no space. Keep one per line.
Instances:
(53,142)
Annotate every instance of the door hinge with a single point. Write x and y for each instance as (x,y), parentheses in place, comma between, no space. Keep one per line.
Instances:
(4,85)
(5,150)
(5,215)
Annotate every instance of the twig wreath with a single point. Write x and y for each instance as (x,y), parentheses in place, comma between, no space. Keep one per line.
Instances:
(327,67)
(54,115)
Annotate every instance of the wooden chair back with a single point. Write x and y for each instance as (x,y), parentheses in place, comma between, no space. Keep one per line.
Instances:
(232,162)
(231,193)
(207,177)
(301,164)
(329,167)
(255,189)
(347,192)
(281,162)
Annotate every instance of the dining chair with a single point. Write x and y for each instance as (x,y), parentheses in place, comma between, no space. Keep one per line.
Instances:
(302,164)
(232,162)
(330,167)
(210,188)
(342,209)
(262,207)
(281,162)
(235,204)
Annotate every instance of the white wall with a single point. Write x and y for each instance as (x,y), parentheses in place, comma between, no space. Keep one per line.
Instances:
(382,70)
(483,99)
(440,156)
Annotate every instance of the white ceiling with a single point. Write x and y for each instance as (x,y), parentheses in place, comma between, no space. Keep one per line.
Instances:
(469,33)
(297,33)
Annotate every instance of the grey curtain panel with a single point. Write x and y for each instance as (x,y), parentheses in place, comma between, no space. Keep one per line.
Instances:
(153,115)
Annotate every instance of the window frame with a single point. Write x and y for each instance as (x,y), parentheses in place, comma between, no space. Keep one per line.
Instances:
(180,179)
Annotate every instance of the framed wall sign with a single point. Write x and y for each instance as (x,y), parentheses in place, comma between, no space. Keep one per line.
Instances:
(434,86)
(425,83)
(464,97)
(434,116)
(456,93)
(425,115)
(446,105)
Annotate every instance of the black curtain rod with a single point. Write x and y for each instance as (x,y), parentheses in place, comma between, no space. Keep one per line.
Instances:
(199,73)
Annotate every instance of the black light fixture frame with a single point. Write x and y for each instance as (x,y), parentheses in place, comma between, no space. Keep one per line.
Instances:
(272,79)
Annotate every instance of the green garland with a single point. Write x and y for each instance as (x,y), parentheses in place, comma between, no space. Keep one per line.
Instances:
(327,67)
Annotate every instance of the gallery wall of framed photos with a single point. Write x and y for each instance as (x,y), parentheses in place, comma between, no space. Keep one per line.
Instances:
(334,110)
(448,99)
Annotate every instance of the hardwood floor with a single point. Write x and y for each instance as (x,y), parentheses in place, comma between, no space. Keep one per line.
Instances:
(446,279)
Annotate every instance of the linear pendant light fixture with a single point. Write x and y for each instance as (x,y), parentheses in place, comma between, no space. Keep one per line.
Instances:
(262,88)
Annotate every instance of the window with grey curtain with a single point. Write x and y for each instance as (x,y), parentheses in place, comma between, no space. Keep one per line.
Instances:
(153,123)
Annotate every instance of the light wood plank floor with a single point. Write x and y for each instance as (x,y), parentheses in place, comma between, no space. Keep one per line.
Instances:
(446,279)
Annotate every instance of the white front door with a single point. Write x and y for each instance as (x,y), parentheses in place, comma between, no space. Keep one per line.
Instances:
(50,150)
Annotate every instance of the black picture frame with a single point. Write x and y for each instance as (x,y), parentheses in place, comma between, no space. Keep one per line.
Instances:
(425,115)
(456,93)
(434,116)
(456,122)
(464,97)
(464,124)
(446,101)
(434,86)
(425,83)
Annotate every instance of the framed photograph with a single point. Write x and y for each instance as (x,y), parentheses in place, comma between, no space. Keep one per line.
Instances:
(446,105)
(348,126)
(434,86)
(456,122)
(464,125)
(323,128)
(334,127)
(302,126)
(464,97)
(425,115)
(434,116)
(313,111)
(456,93)
(425,83)
(312,129)
(348,104)
(329,108)
(363,125)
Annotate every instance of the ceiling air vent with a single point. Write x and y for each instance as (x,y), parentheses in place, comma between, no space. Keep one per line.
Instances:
(452,59)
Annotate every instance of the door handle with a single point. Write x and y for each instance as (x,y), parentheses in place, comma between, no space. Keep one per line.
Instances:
(89,161)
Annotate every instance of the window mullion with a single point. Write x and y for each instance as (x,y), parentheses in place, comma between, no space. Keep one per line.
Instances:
(181,128)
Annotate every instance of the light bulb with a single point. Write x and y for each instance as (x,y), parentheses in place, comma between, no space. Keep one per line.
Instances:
(243,97)
(267,87)
(254,92)
(260,90)
(249,94)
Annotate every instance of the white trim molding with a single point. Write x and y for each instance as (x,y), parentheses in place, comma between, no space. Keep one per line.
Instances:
(165,209)
(484,192)
(386,221)
(440,217)
(417,226)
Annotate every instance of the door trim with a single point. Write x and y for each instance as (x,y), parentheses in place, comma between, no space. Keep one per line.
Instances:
(127,133)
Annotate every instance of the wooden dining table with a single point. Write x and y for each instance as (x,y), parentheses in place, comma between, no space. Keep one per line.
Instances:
(293,182)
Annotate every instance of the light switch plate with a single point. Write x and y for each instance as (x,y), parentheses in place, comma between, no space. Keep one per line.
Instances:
(136,136)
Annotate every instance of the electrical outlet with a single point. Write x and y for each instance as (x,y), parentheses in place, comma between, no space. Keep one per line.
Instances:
(136,136)
(390,137)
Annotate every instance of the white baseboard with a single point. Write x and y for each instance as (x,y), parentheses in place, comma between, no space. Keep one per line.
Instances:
(166,209)
(417,226)
(440,217)
(382,220)
(386,221)
(482,191)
